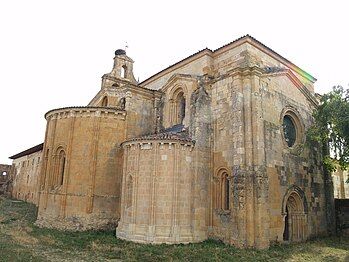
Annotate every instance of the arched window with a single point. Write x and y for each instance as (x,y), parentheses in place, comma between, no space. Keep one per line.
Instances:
(105,101)
(57,179)
(177,107)
(222,190)
(61,167)
(225,192)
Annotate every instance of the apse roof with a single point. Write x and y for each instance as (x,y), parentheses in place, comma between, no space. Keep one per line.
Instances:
(177,132)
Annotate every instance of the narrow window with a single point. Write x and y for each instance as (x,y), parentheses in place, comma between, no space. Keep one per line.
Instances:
(61,161)
(181,109)
(227,193)
(222,190)
(177,112)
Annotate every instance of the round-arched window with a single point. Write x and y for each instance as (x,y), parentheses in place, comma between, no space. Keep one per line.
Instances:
(290,131)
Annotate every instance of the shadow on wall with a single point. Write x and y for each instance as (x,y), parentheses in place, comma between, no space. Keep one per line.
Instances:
(342,216)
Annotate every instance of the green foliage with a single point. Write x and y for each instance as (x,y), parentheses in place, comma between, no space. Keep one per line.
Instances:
(329,164)
(331,128)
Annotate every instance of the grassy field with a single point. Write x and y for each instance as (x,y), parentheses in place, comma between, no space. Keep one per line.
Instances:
(21,240)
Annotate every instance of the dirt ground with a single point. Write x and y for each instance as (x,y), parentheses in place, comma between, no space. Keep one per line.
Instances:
(21,240)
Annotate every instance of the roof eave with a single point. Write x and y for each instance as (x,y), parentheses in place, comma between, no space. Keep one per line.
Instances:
(28,151)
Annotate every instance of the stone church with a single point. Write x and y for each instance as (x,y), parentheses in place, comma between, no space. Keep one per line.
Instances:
(210,147)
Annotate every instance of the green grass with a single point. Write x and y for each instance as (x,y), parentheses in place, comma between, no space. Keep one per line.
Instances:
(21,240)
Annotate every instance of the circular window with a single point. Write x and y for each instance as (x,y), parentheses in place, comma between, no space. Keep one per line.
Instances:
(292,127)
(290,131)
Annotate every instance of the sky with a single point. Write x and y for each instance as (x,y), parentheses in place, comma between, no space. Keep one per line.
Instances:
(53,53)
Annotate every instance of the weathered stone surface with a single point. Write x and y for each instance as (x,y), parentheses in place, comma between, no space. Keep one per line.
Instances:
(5,179)
(25,177)
(340,185)
(226,171)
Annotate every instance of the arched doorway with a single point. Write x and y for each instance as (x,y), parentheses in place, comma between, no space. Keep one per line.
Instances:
(295,218)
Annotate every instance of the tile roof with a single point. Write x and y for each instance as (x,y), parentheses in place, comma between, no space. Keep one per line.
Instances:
(177,133)
(213,51)
(28,151)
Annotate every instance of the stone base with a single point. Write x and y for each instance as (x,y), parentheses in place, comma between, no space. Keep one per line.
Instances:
(148,235)
(77,223)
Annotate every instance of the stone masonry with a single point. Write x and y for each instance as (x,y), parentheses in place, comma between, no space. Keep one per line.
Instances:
(5,179)
(210,147)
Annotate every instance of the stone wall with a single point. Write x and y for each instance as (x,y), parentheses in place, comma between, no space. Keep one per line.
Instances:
(88,196)
(5,178)
(242,182)
(341,184)
(250,89)
(158,197)
(25,179)
(291,167)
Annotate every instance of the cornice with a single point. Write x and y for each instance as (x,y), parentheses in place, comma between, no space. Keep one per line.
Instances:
(87,111)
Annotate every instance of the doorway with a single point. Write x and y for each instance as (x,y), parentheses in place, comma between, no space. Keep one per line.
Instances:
(295,219)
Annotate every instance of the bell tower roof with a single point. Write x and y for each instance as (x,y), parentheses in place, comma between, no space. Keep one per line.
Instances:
(120,52)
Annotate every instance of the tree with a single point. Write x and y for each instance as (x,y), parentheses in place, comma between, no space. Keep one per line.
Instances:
(331,128)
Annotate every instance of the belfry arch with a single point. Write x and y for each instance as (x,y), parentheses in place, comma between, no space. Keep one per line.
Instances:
(294,210)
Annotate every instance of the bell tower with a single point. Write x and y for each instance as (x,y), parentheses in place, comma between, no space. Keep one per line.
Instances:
(122,72)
